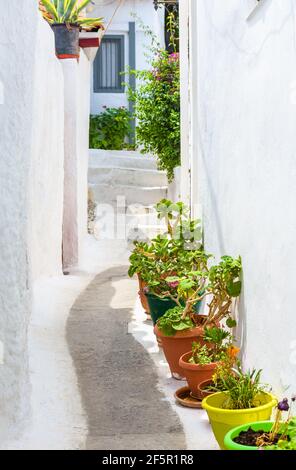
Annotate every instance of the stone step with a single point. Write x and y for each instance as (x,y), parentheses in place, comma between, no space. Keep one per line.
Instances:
(144,232)
(126,176)
(120,159)
(108,194)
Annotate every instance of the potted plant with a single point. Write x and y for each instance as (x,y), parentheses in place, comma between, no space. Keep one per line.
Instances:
(244,400)
(181,326)
(223,369)
(201,362)
(66,20)
(267,435)
(178,248)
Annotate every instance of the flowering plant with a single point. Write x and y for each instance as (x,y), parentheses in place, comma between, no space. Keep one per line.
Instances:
(173,253)
(157,110)
(283,434)
(218,342)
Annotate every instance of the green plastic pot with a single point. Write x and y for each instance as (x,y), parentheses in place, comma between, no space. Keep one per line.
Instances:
(158,307)
(223,420)
(235,432)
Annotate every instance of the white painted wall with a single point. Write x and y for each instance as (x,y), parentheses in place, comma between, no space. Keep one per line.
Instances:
(144,10)
(16,74)
(76,79)
(247,141)
(32,147)
(47,163)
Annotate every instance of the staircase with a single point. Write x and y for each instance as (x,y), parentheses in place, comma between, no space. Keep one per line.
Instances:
(125,186)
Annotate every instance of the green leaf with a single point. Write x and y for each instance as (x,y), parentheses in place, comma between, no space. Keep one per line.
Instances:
(50,8)
(231,323)
(234,288)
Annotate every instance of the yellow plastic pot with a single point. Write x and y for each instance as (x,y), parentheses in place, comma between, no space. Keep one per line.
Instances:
(223,420)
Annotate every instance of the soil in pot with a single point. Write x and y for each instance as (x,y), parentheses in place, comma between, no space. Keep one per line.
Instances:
(195,373)
(66,40)
(175,346)
(258,428)
(250,437)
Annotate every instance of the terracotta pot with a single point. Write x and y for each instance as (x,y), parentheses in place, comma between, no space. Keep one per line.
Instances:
(142,295)
(175,346)
(195,373)
(201,389)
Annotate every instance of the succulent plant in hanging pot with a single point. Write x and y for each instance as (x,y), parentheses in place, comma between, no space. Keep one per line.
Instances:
(67,20)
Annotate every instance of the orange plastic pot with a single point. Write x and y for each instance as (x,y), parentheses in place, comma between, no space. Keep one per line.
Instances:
(175,346)
(196,373)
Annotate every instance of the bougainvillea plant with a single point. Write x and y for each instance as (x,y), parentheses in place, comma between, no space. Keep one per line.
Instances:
(157,110)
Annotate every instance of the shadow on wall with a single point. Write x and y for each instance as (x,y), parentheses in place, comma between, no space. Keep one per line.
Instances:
(240,331)
(213,200)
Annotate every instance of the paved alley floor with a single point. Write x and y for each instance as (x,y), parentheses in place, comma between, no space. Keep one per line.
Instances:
(117,378)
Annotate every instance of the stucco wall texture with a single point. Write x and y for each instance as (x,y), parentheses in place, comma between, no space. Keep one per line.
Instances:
(17,41)
(247,141)
(32,147)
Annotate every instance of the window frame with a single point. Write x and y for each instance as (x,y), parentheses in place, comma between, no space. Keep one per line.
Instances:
(121,57)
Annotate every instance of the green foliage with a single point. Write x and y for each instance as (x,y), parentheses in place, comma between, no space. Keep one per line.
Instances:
(224,285)
(168,255)
(216,335)
(109,129)
(219,342)
(243,389)
(69,12)
(201,355)
(172,321)
(157,109)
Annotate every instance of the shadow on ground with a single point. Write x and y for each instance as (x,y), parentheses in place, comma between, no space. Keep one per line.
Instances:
(117,378)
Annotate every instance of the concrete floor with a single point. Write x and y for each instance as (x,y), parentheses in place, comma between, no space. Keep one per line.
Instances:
(117,378)
(98,379)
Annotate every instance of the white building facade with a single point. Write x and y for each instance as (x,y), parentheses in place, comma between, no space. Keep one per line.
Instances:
(125,45)
(239,140)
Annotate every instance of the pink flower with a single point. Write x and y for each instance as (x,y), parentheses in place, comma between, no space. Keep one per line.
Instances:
(173,284)
(174,56)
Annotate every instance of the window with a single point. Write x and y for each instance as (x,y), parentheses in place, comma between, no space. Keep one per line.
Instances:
(108,65)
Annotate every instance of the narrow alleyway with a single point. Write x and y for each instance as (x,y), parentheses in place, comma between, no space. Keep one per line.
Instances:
(117,378)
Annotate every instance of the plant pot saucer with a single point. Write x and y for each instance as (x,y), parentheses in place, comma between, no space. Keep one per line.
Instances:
(184,397)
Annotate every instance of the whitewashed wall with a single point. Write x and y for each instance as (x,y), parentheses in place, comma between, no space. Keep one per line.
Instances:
(247,166)
(47,163)
(143,10)
(17,41)
(33,111)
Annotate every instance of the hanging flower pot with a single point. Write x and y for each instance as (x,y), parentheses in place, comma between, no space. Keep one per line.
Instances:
(67,18)
(66,40)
